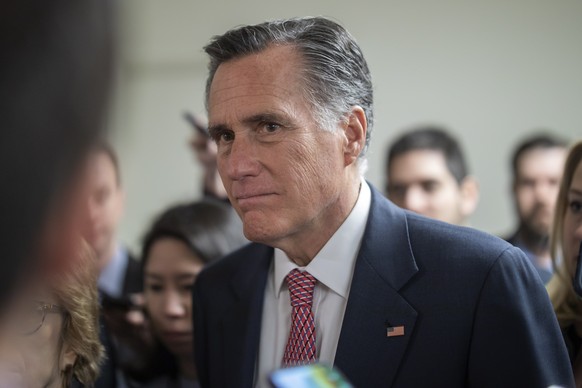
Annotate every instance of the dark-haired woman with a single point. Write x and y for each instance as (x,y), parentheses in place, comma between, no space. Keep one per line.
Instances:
(179,244)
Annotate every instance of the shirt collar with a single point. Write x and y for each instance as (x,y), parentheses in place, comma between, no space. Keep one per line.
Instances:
(113,275)
(333,265)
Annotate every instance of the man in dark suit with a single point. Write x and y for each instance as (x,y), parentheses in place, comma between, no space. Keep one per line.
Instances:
(337,273)
(120,278)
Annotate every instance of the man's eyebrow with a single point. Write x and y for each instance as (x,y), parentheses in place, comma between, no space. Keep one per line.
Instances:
(266,117)
(575,191)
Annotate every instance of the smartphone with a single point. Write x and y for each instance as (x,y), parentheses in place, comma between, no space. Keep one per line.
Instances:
(577,282)
(309,376)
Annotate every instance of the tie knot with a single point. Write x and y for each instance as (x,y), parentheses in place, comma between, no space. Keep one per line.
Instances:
(301,286)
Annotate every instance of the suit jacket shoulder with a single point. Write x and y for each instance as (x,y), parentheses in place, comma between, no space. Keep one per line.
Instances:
(437,244)
(465,304)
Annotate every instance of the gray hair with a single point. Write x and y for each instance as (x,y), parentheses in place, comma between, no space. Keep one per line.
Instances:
(336,75)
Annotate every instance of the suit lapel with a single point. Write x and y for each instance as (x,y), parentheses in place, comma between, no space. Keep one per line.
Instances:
(365,353)
(241,324)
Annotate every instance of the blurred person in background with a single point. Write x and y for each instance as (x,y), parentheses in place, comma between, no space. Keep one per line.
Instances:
(426,173)
(54,81)
(565,248)
(179,244)
(537,164)
(120,272)
(50,332)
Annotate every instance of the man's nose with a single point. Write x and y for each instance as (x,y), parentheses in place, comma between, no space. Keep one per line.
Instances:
(242,158)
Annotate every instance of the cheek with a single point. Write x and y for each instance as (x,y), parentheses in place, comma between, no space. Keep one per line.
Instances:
(154,306)
(525,199)
(441,198)
(113,212)
(41,356)
(312,167)
(221,168)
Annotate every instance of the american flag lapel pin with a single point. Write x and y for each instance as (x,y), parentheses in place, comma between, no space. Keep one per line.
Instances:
(394,331)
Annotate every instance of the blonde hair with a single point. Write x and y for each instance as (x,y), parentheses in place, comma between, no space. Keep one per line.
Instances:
(76,291)
(565,301)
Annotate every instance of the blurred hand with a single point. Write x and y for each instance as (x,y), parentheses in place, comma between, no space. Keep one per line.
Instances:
(205,151)
(130,327)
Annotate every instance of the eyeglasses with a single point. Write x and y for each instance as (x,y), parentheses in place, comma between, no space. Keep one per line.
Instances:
(29,317)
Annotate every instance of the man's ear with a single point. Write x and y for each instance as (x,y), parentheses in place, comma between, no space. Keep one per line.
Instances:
(355,128)
(469,195)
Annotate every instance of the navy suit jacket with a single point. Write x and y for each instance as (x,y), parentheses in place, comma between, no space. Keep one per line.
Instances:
(474,311)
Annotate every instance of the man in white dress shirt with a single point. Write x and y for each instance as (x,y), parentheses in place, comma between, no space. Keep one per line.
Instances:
(337,274)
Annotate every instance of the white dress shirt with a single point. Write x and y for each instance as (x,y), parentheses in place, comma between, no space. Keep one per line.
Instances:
(333,267)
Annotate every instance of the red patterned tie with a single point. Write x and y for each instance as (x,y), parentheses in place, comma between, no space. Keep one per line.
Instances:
(300,347)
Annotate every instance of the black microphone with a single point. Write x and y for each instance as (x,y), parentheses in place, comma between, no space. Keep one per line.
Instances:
(577,282)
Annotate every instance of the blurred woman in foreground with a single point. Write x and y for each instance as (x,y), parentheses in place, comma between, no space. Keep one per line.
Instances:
(50,333)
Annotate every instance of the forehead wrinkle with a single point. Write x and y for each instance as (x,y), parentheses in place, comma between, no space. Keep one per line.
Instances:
(268,96)
(249,73)
(250,89)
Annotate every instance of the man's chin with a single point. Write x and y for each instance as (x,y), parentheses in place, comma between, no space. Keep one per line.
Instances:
(541,229)
(538,231)
(261,237)
(260,232)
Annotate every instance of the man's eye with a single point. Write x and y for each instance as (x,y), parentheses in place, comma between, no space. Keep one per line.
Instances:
(223,136)
(430,187)
(527,183)
(227,136)
(270,127)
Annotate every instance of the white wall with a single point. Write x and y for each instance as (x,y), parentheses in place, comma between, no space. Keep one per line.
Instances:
(490,70)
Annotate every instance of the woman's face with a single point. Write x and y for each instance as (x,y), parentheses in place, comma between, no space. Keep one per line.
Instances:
(573,218)
(169,274)
(31,350)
